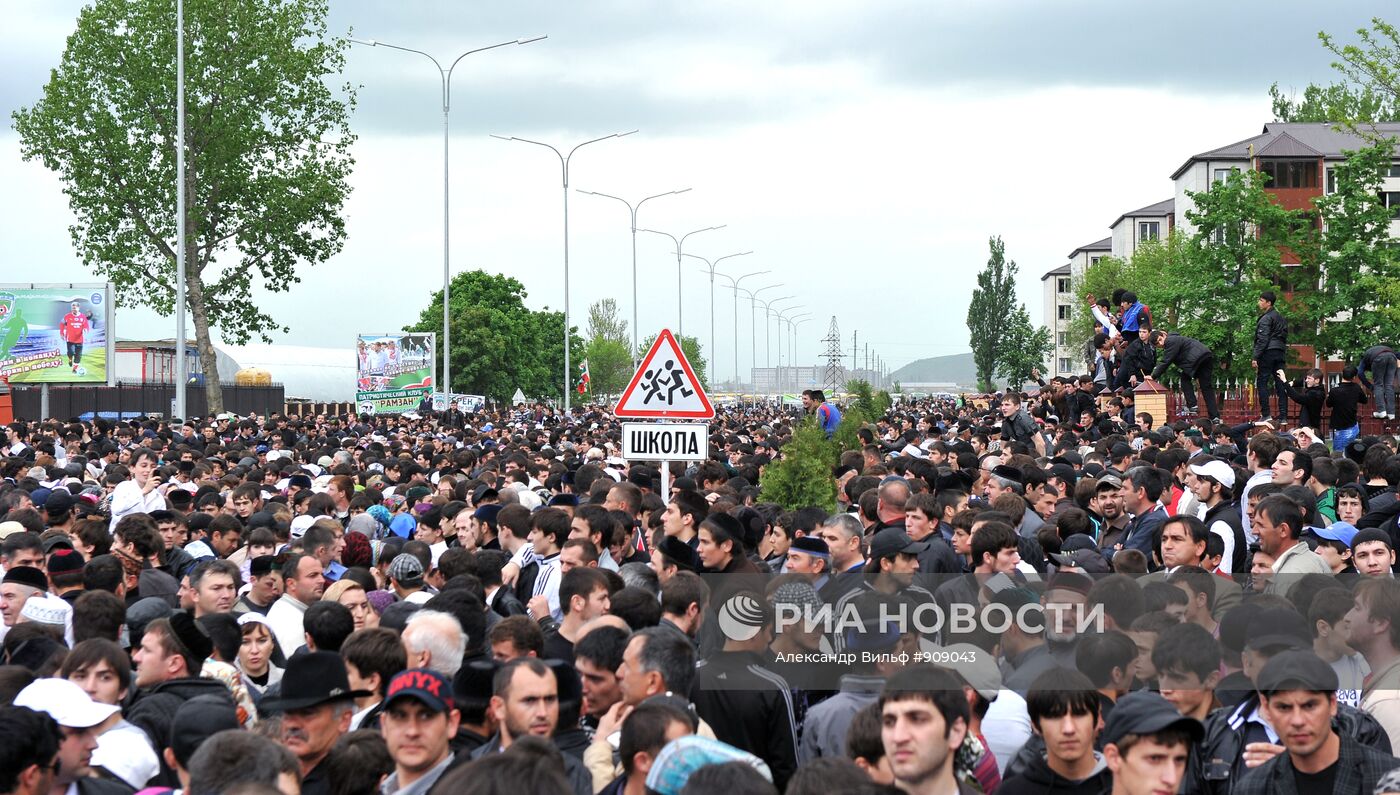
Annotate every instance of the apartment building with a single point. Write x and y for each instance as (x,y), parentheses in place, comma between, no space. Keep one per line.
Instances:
(1152,222)
(1057,290)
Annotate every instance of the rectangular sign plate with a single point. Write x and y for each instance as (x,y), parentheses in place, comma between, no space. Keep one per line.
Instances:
(654,441)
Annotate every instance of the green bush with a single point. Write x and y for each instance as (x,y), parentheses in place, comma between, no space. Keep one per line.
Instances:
(801,478)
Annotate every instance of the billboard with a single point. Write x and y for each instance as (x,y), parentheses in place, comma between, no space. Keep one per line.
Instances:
(393,372)
(57,333)
(469,403)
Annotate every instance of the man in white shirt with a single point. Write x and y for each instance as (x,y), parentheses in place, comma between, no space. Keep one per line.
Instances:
(305,581)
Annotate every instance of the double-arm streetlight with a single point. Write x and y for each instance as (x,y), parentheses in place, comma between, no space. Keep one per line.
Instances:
(710,269)
(564,169)
(793,322)
(680,251)
(767,329)
(734,284)
(633,208)
(753,324)
(779,318)
(446,76)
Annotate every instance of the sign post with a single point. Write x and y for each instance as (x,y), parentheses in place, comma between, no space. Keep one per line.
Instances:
(664,388)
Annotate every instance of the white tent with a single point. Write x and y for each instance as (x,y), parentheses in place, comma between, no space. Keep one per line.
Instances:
(319,374)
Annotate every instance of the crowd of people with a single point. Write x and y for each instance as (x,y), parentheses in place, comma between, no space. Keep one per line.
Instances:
(496,602)
(1128,350)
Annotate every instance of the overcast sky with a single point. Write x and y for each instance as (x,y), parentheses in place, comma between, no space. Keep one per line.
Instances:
(864,151)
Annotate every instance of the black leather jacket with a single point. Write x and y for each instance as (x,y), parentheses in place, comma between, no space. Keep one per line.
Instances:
(1220,757)
(1270,333)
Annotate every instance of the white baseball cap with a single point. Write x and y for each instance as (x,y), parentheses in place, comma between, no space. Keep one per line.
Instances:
(1216,470)
(65,702)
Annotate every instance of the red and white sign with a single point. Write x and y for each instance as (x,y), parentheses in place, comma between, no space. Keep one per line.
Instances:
(664,386)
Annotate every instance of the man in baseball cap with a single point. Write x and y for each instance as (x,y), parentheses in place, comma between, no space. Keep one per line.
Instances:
(1298,696)
(418,722)
(1142,729)
(78,717)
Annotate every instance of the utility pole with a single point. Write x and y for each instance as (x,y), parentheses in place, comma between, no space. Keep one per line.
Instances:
(855,350)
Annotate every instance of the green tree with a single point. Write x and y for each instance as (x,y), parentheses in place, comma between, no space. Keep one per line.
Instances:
(1235,252)
(993,301)
(801,477)
(1358,255)
(690,346)
(267,145)
(866,400)
(1371,67)
(1337,103)
(499,344)
(609,351)
(609,365)
(1024,348)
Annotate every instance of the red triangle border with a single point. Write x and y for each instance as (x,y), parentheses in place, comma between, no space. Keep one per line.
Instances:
(707,413)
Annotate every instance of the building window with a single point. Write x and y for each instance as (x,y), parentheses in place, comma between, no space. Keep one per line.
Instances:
(1290,173)
(1062,312)
(1062,285)
(1064,364)
(1395,170)
(1392,200)
(1064,339)
(1094,261)
(1149,230)
(1332,180)
(1222,174)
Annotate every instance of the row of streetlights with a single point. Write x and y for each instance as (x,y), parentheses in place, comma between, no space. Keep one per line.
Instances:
(780,315)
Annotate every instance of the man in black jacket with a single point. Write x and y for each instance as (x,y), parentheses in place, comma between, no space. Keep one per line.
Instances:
(1298,694)
(1270,351)
(168,664)
(748,705)
(1194,361)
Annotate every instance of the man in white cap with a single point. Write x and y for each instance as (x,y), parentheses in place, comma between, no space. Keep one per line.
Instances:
(1213,485)
(78,717)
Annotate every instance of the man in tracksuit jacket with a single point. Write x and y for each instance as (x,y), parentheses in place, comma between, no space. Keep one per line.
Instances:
(748,705)
(1270,351)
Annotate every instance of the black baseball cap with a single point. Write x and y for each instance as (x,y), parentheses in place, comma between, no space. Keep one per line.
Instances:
(1146,712)
(428,686)
(1296,670)
(892,541)
(1278,627)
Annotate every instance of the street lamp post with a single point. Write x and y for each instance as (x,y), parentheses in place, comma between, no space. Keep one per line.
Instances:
(734,284)
(767,330)
(446,76)
(181,364)
(753,325)
(710,269)
(793,322)
(680,251)
(564,169)
(779,320)
(633,208)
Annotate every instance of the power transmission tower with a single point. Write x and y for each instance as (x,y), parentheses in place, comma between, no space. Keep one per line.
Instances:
(834,372)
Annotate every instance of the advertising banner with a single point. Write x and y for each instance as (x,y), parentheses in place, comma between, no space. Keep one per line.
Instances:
(56,333)
(470,403)
(394,371)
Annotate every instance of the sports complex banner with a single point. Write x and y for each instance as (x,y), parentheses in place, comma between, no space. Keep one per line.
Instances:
(56,333)
(394,371)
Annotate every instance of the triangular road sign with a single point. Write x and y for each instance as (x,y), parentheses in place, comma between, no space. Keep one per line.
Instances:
(665,386)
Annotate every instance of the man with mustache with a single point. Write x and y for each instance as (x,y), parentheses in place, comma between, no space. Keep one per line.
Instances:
(316,705)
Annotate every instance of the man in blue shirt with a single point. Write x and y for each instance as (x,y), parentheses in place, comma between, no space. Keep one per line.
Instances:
(828,416)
